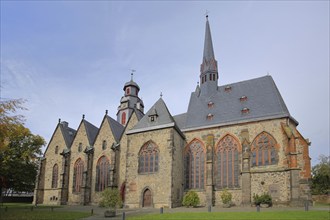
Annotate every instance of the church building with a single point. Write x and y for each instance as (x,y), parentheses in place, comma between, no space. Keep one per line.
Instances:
(240,137)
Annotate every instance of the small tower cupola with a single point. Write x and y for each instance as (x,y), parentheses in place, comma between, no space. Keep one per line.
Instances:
(209,67)
(130,101)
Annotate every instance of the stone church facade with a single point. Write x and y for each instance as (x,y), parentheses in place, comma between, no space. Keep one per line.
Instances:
(240,137)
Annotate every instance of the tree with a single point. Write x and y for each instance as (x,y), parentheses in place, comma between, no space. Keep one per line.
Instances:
(321,176)
(19,149)
(9,119)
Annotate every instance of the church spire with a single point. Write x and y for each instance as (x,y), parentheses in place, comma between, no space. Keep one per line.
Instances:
(209,67)
(208,46)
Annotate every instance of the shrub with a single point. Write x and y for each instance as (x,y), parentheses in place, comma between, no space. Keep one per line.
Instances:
(265,198)
(110,198)
(226,197)
(190,199)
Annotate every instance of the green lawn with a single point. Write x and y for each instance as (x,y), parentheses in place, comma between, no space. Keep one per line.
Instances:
(21,211)
(290,215)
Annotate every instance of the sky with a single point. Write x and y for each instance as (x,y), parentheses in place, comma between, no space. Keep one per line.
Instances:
(69,58)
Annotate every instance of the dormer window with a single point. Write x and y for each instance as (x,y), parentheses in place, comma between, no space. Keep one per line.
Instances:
(209,117)
(227,88)
(210,104)
(153,115)
(243,98)
(245,110)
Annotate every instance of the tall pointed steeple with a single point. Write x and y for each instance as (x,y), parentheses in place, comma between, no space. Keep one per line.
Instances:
(209,67)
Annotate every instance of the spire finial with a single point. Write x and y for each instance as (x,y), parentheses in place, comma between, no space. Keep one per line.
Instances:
(59,120)
(198,83)
(83,116)
(207,14)
(132,73)
(161,95)
(106,112)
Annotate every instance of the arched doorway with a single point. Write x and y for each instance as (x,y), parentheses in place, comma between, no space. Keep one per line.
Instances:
(147,198)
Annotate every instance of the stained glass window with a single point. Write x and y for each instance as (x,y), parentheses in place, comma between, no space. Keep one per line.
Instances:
(226,168)
(55,176)
(263,150)
(102,174)
(194,165)
(148,158)
(78,175)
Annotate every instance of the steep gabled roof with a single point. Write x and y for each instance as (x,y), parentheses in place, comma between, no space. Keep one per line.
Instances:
(163,119)
(250,100)
(68,133)
(116,128)
(91,131)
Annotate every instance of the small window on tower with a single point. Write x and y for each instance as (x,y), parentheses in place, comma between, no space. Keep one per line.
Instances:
(127,91)
(152,118)
(123,118)
(56,150)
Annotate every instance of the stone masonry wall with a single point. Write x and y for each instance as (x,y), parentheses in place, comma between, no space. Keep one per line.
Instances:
(105,134)
(81,137)
(277,184)
(159,183)
(52,195)
(177,169)
(251,130)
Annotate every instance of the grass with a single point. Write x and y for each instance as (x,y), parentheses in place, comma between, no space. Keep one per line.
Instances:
(287,215)
(23,211)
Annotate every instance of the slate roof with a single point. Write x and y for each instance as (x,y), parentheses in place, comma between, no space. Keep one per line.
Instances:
(180,120)
(139,114)
(116,128)
(263,101)
(91,131)
(68,133)
(164,118)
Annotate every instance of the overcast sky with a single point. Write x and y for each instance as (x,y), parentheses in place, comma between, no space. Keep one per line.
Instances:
(69,58)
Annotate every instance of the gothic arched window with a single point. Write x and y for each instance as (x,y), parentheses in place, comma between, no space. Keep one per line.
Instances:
(194,161)
(55,176)
(78,175)
(148,158)
(226,167)
(263,150)
(102,174)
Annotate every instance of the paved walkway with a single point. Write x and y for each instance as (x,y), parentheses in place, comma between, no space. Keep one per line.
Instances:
(98,213)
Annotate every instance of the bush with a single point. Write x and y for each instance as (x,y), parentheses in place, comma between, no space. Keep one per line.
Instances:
(226,197)
(265,198)
(110,198)
(190,199)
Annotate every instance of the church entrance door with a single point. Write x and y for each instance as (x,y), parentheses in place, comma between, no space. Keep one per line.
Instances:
(146,198)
